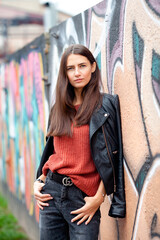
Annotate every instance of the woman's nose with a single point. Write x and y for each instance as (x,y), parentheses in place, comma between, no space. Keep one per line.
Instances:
(77,71)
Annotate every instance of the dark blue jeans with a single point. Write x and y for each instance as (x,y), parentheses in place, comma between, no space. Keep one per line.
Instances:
(55,220)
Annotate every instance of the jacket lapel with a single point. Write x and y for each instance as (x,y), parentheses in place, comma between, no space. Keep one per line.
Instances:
(97,120)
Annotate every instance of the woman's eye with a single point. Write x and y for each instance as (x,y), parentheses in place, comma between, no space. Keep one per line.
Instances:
(70,68)
(83,65)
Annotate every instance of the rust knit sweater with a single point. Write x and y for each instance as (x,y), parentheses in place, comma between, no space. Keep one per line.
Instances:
(72,157)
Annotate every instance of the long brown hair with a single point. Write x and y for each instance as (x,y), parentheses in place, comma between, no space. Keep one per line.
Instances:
(63,112)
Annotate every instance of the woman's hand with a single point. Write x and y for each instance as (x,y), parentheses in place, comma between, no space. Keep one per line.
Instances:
(88,210)
(41,198)
(91,206)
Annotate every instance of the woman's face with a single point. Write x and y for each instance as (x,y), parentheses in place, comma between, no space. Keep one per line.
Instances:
(79,70)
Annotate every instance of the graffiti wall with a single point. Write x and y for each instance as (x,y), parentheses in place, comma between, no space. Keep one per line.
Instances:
(124,37)
(23,118)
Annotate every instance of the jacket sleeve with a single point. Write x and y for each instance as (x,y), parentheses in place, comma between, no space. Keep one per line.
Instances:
(118,206)
(48,150)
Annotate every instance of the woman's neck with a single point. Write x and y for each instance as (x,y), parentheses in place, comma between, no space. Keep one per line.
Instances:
(78,98)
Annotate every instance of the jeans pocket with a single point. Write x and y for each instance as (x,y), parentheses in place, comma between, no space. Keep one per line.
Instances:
(83,194)
(46,183)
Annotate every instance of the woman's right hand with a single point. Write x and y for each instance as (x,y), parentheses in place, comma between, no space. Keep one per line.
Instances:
(41,198)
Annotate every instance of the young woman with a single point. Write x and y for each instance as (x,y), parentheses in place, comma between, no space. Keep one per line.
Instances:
(83,157)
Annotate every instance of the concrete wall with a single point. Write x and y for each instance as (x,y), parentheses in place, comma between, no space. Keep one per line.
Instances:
(124,37)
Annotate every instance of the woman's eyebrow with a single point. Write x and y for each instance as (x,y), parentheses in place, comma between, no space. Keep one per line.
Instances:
(70,65)
(78,64)
(82,63)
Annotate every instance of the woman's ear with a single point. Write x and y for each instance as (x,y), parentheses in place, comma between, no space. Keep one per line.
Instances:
(93,67)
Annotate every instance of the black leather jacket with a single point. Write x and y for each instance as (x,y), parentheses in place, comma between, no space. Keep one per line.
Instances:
(107,151)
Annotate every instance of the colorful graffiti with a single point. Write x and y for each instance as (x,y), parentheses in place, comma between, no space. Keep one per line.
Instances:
(23,120)
(124,37)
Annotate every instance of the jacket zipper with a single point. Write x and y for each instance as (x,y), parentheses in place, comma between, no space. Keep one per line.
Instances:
(110,159)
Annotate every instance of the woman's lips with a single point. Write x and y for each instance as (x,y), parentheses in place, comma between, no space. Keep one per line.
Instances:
(78,80)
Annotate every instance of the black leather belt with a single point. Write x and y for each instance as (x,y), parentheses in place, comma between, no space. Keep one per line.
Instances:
(63,179)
